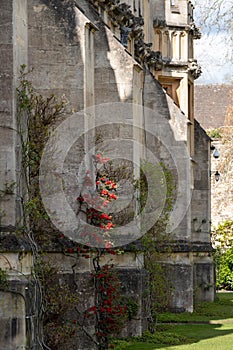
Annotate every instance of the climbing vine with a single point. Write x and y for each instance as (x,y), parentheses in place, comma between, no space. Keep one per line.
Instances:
(157,244)
(54,298)
(35,116)
(59,313)
(111,310)
(59,323)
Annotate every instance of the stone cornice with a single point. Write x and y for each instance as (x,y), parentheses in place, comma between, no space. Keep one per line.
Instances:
(121,16)
(159,23)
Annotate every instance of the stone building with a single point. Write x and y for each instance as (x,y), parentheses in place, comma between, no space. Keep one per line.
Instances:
(136,58)
(216,116)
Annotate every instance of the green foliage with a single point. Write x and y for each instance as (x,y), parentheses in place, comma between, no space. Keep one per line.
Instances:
(162,179)
(214,133)
(219,309)
(164,338)
(132,307)
(222,236)
(158,338)
(196,330)
(225,270)
(156,240)
(222,239)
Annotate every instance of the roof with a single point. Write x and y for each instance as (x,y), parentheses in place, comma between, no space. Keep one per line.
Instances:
(211,103)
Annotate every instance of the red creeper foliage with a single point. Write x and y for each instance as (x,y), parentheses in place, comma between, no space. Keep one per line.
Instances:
(109,311)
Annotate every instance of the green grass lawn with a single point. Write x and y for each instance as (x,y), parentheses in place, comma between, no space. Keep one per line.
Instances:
(184,331)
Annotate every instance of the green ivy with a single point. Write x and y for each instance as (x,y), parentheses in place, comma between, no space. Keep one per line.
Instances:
(156,241)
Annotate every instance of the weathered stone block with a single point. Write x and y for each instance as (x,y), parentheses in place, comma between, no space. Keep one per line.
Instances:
(204,280)
(12,317)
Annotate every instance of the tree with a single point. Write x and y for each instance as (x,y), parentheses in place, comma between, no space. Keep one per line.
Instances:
(214,50)
(214,14)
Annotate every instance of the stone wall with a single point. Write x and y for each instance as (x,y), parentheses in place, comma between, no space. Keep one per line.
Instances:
(203,274)
(213,110)
(222,191)
(201,188)
(16,261)
(13,43)
(71,52)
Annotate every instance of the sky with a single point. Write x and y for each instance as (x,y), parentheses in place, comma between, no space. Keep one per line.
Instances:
(214,50)
(212,54)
